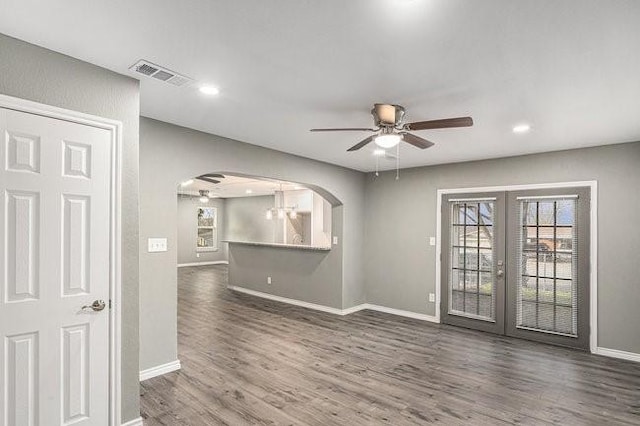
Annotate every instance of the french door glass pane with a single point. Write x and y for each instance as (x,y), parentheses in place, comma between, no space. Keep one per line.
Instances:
(546,288)
(471,285)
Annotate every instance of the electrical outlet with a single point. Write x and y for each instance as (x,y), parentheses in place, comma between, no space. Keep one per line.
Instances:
(432,297)
(197,254)
(268,280)
(432,241)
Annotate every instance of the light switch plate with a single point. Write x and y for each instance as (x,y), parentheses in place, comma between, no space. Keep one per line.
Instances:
(432,297)
(157,245)
(335,241)
(432,241)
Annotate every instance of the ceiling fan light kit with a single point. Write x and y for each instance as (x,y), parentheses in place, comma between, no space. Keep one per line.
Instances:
(390,128)
(387,140)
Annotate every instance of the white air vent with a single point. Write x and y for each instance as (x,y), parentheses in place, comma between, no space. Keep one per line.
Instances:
(160,73)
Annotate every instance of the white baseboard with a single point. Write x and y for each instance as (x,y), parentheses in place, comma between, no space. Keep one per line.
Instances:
(213,262)
(134,422)
(295,302)
(354,309)
(402,313)
(615,353)
(336,311)
(159,370)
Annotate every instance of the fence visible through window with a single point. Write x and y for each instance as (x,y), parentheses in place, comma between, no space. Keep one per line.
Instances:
(547,250)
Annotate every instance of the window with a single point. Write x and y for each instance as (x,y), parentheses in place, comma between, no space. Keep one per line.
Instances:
(547,291)
(472,287)
(207,229)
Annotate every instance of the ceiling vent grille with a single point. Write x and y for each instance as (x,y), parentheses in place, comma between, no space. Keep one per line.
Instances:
(160,73)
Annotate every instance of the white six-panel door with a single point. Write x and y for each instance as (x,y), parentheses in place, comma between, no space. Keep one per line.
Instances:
(54,259)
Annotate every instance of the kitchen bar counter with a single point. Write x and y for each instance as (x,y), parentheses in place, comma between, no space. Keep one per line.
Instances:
(280,245)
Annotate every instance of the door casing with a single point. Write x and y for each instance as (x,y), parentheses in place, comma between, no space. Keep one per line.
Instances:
(582,266)
(115,249)
(593,239)
(497,326)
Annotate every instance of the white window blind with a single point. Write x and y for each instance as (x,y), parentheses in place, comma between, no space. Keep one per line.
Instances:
(547,264)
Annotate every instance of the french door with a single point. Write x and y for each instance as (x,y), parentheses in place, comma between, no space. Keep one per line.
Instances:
(517,263)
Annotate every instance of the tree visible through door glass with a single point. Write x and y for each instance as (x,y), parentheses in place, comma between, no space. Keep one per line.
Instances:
(471,287)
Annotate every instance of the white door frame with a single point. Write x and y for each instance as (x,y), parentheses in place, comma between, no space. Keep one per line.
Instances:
(115,282)
(593,242)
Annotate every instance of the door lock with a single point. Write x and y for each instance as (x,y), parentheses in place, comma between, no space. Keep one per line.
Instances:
(500,272)
(97,305)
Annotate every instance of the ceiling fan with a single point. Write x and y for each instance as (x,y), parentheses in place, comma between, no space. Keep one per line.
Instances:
(390,128)
(204,195)
(211,177)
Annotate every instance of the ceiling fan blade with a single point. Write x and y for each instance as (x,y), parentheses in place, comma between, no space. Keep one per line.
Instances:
(346,129)
(416,141)
(213,175)
(361,143)
(207,179)
(440,124)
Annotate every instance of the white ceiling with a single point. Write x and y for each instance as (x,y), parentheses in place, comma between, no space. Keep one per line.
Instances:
(237,186)
(569,68)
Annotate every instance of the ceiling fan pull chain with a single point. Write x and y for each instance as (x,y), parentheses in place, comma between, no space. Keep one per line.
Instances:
(398,162)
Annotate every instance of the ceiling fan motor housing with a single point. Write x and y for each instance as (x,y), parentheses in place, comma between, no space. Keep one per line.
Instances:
(387,115)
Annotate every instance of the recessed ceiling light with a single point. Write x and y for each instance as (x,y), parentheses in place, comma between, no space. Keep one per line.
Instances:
(248,191)
(521,128)
(379,152)
(209,90)
(186,183)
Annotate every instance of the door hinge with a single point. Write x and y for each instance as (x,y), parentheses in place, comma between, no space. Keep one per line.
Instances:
(109,303)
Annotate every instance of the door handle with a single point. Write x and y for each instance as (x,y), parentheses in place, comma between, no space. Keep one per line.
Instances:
(97,305)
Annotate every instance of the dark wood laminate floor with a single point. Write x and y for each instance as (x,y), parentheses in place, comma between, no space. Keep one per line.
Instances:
(247,361)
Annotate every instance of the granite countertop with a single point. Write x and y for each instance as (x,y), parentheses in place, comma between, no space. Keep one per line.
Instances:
(280,245)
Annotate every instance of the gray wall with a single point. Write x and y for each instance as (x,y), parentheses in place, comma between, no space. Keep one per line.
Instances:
(307,275)
(160,145)
(246,220)
(188,230)
(400,264)
(40,75)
